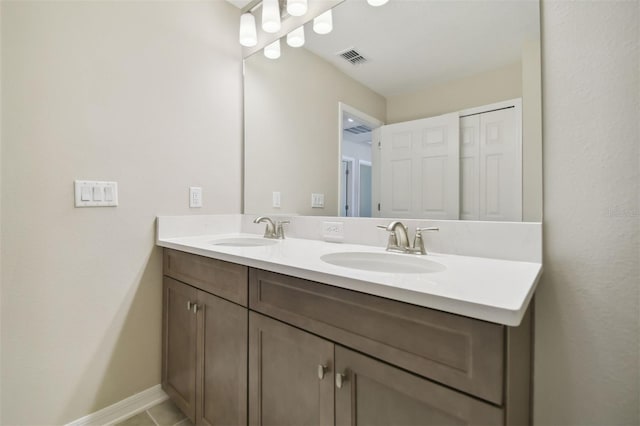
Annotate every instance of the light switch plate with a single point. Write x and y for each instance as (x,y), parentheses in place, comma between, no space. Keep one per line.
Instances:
(93,193)
(195,197)
(276,199)
(317,201)
(333,231)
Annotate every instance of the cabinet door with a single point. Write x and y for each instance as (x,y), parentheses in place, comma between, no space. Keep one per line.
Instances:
(373,393)
(290,375)
(179,345)
(222,362)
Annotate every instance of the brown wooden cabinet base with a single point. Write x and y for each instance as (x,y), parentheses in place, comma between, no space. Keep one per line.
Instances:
(305,353)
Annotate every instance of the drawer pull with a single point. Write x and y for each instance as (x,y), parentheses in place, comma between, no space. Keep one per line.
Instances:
(340,379)
(321,370)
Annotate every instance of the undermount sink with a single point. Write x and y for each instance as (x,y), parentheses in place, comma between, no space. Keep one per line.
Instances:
(243,242)
(383,262)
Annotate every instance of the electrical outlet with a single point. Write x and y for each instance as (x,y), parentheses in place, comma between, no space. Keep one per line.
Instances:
(195,196)
(333,231)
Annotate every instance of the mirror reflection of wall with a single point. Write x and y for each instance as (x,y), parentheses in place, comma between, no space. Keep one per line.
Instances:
(432,58)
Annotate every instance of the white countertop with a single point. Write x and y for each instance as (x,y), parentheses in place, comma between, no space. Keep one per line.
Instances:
(493,290)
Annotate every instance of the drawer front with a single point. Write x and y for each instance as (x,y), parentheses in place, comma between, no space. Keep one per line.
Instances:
(224,279)
(460,352)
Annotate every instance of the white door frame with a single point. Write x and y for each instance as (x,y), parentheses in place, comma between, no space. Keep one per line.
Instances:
(352,209)
(360,164)
(374,122)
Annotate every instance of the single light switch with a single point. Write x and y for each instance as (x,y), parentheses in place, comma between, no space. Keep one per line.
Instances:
(97,193)
(276,199)
(108,193)
(85,193)
(195,196)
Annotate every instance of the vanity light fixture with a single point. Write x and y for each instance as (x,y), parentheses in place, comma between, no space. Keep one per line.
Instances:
(272,51)
(270,16)
(248,35)
(323,24)
(296,37)
(297,7)
(376,3)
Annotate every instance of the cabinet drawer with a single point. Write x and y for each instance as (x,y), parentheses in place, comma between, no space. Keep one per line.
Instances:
(460,352)
(224,279)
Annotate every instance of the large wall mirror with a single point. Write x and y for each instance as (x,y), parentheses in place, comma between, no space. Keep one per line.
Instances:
(417,108)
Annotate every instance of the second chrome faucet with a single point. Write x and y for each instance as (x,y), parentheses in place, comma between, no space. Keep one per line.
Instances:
(272,230)
(399,238)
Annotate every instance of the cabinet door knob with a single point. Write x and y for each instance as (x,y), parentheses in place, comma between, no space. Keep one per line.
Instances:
(195,308)
(322,369)
(340,379)
(188,305)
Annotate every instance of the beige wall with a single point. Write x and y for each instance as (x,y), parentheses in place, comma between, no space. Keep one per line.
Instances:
(144,93)
(587,314)
(492,86)
(289,136)
(531,133)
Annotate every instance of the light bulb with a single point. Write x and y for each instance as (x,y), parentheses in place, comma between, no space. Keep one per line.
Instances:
(270,16)
(296,37)
(297,7)
(376,3)
(248,37)
(272,51)
(323,24)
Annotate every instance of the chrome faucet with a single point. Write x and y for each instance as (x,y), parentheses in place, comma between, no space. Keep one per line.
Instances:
(272,230)
(399,238)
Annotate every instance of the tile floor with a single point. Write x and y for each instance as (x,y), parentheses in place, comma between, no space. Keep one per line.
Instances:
(163,414)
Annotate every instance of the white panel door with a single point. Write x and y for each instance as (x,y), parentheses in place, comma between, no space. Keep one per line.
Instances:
(419,173)
(470,167)
(500,196)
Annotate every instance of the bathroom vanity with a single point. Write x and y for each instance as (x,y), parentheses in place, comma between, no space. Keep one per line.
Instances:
(257,342)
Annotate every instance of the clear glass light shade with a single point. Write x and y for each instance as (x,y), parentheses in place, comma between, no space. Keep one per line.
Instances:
(323,24)
(248,36)
(296,37)
(376,3)
(270,16)
(297,7)
(272,51)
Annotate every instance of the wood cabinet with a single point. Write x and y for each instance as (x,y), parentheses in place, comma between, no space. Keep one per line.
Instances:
(204,363)
(373,393)
(286,351)
(291,371)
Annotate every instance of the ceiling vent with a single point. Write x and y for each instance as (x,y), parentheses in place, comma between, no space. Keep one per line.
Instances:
(356,130)
(353,57)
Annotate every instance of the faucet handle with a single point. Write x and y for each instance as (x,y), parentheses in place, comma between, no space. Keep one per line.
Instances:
(280,228)
(392,242)
(432,228)
(418,241)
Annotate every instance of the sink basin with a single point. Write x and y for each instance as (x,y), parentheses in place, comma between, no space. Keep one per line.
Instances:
(244,242)
(383,262)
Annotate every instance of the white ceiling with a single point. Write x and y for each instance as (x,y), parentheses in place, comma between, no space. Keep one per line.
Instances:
(239,3)
(412,44)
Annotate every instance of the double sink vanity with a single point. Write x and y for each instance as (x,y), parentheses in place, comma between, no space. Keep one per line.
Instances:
(299,331)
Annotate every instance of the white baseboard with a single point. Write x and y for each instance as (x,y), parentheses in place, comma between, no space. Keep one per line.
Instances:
(123,409)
